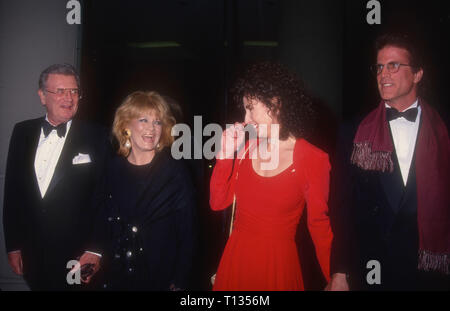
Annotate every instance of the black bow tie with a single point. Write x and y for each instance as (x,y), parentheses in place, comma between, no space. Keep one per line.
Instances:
(60,129)
(410,114)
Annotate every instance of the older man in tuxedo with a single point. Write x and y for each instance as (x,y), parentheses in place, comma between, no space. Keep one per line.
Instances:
(52,166)
(390,206)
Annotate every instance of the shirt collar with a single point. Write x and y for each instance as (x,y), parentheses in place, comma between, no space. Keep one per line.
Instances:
(69,123)
(415,105)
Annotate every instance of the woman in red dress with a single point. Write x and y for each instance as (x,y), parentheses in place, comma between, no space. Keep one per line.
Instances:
(261,253)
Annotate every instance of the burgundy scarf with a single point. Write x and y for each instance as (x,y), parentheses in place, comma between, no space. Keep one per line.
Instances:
(372,150)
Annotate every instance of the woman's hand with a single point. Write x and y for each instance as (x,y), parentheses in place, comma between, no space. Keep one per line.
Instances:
(338,282)
(233,139)
(89,258)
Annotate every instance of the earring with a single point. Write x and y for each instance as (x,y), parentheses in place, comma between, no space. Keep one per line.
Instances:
(157,146)
(127,134)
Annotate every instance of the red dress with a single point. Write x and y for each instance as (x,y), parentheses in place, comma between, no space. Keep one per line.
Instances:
(261,253)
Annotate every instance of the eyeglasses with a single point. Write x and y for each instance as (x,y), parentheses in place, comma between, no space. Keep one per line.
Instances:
(392,67)
(61,92)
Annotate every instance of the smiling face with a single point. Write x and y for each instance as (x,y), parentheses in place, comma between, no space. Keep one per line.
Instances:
(257,113)
(399,89)
(60,108)
(145,134)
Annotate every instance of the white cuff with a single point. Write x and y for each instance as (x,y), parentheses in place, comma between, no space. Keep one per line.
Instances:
(99,255)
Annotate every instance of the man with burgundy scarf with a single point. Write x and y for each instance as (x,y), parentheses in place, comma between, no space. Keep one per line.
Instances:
(390,199)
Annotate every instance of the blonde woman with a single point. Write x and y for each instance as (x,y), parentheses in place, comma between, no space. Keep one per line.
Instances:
(148,202)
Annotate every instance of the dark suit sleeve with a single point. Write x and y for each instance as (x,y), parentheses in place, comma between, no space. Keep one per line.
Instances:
(13,199)
(185,221)
(98,237)
(341,202)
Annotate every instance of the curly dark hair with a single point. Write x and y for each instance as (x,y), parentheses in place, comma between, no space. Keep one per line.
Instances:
(282,92)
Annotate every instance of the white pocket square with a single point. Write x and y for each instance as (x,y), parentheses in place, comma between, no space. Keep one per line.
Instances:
(81,158)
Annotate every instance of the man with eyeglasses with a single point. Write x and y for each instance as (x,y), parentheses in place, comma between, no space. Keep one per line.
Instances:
(52,166)
(390,199)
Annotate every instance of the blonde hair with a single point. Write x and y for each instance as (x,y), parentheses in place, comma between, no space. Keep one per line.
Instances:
(136,104)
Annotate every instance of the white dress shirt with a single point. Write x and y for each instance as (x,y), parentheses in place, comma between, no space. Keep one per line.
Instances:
(404,133)
(47,156)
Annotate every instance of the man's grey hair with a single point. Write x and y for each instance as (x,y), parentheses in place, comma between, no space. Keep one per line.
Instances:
(61,69)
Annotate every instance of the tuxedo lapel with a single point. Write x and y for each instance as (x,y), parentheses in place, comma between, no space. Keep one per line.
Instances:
(32,145)
(392,183)
(396,192)
(411,185)
(65,159)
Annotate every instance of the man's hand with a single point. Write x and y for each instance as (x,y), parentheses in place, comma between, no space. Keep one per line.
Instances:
(338,282)
(15,261)
(173,288)
(89,258)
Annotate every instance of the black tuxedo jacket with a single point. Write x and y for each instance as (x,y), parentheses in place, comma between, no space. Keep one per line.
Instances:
(52,230)
(374,217)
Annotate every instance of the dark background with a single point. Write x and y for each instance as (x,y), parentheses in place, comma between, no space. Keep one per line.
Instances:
(217,38)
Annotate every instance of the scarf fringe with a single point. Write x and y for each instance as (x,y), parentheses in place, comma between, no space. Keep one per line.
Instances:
(363,157)
(434,262)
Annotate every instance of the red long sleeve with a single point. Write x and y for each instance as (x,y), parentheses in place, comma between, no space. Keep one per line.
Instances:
(222,185)
(316,167)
